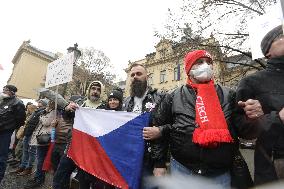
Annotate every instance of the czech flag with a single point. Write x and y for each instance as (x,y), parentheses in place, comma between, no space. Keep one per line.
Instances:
(109,145)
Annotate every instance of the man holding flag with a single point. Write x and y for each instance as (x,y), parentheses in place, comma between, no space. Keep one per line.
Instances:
(66,166)
(97,147)
(144,99)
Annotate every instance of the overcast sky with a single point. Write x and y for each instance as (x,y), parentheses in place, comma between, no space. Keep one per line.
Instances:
(122,29)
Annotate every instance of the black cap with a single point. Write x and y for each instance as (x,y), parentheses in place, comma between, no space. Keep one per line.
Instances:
(11,88)
(43,101)
(116,93)
(269,38)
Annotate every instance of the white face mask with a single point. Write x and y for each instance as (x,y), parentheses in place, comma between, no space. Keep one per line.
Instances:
(202,73)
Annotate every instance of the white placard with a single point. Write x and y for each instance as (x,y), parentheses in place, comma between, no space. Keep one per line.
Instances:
(60,71)
(260,26)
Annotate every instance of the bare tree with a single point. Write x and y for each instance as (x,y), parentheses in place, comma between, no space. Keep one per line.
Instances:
(225,20)
(92,65)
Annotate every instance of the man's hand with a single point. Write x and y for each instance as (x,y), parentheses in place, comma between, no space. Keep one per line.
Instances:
(158,172)
(150,133)
(252,108)
(281,115)
(72,106)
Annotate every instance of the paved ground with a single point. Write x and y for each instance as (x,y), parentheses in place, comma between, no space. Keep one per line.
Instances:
(11,181)
(14,182)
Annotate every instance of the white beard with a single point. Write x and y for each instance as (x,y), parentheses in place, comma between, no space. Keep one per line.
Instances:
(94,98)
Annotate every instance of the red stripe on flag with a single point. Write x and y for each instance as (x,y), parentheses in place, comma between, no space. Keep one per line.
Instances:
(47,165)
(88,154)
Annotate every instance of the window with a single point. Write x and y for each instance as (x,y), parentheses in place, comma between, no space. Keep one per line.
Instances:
(177,73)
(163,76)
(150,79)
(163,53)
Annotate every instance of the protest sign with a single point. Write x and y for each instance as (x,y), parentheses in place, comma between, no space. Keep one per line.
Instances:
(60,71)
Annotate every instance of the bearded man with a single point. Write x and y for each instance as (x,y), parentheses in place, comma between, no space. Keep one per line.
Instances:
(143,99)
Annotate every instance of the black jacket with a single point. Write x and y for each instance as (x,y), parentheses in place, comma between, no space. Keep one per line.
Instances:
(12,114)
(33,122)
(267,87)
(154,97)
(176,118)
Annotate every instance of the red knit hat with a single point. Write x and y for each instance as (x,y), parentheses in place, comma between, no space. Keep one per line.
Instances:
(192,56)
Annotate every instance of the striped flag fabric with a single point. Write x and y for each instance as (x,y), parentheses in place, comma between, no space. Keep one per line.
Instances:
(109,145)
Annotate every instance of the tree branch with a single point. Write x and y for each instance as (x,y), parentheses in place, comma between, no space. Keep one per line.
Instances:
(239,63)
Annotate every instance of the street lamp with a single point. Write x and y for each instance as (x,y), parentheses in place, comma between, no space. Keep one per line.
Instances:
(77,52)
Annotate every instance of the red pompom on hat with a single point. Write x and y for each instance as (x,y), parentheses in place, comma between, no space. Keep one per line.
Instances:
(192,56)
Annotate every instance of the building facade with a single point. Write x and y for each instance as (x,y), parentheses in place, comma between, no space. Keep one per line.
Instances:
(30,65)
(166,65)
(238,66)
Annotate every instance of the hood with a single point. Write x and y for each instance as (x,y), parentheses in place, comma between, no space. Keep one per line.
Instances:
(102,89)
(95,104)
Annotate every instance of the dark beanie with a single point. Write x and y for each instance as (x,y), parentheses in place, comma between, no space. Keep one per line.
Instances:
(116,93)
(96,84)
(11,88)
(269,38)
(43,101)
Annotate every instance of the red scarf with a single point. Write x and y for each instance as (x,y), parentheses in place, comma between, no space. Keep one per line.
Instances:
(212,126)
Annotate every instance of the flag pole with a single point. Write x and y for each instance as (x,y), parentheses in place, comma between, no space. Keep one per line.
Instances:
(56,101)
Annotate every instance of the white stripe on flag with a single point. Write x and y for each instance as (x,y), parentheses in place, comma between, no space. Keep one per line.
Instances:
(100,122)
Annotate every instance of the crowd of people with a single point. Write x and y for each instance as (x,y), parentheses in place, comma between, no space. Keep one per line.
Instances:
(194,129)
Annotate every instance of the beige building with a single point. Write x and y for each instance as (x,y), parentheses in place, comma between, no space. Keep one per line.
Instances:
(237,67)
(30,65)
(166,66)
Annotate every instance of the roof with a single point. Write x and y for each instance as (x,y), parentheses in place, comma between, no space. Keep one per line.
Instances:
(46,52)
(41,53)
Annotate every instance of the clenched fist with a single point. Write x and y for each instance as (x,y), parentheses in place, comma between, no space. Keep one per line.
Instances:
(252,108)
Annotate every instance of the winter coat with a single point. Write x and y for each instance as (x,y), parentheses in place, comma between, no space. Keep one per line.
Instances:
(44,125)
(176,119)
(63,129)
(267,87)
(12,114)
(32,122)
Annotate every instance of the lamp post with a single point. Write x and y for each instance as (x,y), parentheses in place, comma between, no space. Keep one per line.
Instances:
(77,54)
